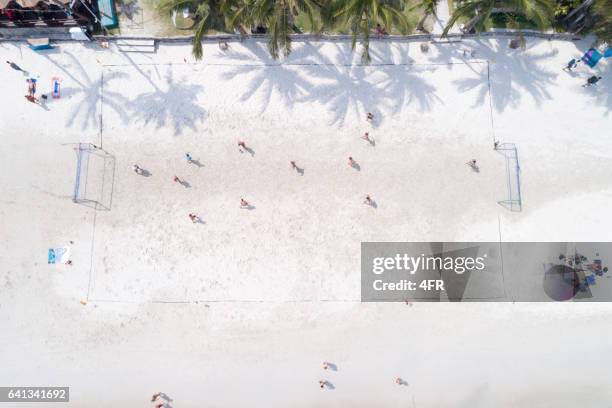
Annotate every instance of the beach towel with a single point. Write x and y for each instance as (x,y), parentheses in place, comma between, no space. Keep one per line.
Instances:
(58,255)
(55,83)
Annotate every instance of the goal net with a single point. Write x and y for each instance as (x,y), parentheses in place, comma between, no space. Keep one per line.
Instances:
(95,171)
(513,201)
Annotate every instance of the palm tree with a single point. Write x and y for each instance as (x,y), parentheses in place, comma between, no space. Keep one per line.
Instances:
(205,10)
(278,17)
(479,13)
(361,16)
(429,8)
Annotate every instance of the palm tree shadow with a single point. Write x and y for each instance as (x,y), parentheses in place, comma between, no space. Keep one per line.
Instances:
(87,109)
(91,98)
(513,73)
(403,85)
(344,86)
(390,53)
(177,105)
(347,86)
(268,77)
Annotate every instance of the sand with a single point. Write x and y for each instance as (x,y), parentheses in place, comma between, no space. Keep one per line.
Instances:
(243,308)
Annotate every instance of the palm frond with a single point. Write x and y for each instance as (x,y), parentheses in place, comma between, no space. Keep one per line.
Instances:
(365,41)
(166,6)
(465,10)
(202,13)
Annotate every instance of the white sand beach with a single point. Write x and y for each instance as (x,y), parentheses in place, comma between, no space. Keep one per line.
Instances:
(242,308)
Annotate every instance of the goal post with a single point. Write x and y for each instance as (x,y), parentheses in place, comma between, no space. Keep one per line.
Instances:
(94,178)
(513,201)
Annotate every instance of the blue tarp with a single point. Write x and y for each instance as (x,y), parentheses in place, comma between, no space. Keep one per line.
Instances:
(608,52)
(591,57)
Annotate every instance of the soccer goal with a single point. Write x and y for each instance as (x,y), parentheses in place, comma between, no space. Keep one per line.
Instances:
(95,172)
(513,177)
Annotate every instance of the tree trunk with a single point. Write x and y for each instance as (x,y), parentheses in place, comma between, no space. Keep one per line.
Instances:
(422,21)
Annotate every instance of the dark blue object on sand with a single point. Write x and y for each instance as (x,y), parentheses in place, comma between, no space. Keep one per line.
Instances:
(591,57)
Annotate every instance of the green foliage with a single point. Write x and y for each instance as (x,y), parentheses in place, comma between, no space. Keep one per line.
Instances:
(360,17)
(602,12)
(284,17)
(428,6)
(482,14)
(204,10)
(563,7)
(511,21)
(278,16)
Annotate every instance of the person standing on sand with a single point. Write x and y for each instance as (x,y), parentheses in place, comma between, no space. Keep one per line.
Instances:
(31,86)
(370,117)
(592,81)
(351,161)
(368,200)
(571,65)
(188,158)
(244,203)
(322,383)
(194,218)
(136,169)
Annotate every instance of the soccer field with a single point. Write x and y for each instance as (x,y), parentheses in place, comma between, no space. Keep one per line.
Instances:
(258,297)
(301,240)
